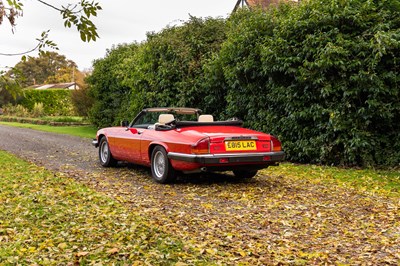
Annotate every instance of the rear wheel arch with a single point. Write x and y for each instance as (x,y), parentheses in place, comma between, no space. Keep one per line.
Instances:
(161,168)
(152,146)
(150,151)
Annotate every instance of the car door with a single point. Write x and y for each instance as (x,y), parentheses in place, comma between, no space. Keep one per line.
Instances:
(127,144)
(129,141)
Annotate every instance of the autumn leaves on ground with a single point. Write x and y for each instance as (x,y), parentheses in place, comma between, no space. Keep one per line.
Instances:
(289,214)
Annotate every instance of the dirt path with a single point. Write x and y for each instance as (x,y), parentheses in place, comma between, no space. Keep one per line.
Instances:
(270,219)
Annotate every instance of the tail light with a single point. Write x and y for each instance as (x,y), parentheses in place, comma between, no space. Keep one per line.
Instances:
(275,144)
(201,147)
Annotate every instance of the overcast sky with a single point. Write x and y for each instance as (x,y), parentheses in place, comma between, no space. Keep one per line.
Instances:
(120,21)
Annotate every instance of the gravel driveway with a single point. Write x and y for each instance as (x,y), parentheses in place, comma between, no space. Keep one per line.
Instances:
(270,219)
(53,151)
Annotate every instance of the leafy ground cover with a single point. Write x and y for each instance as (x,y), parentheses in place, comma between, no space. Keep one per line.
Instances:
(288,215)
(375,181)
(80,131)
(48,219)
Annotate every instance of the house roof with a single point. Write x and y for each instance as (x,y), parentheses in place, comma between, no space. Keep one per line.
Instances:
(66,85)
(260,3)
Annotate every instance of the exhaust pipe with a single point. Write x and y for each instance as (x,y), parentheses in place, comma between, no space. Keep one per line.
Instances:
(203,169)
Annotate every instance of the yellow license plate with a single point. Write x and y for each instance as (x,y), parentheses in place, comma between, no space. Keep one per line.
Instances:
(240,145)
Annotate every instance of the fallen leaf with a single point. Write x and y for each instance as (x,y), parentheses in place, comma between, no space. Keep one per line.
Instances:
(113,251)
(82,254)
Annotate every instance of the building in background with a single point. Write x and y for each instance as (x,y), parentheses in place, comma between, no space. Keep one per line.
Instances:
(264,4)
(66,86)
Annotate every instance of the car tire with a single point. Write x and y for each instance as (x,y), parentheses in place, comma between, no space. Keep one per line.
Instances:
(105,156)
(245,173)
(161,168)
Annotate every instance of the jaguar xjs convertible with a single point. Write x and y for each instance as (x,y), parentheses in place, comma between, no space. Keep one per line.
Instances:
(171,140)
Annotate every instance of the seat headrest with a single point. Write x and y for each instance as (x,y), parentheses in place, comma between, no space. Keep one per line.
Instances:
(165,118)
(206,118)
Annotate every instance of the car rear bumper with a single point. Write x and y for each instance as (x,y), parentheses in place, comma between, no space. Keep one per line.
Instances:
(229,158)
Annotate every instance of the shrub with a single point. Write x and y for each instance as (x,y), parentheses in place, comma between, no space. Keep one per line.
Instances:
(106,86)
(323,76)
(15,110)
(55,102)
(167,70)
(82,101)
(6,97)
(37,110)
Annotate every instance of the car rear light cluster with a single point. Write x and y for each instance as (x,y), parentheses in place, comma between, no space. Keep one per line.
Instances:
(275,144)
(201,147)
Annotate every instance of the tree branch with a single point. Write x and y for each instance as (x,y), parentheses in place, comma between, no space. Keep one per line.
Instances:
(49,5)
(23,53)
(43,42)
(63,9)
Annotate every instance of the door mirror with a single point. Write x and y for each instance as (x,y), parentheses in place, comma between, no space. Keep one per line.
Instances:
(124,123)
(133,130)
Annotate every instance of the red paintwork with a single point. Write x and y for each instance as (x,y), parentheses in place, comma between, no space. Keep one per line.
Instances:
(127,145)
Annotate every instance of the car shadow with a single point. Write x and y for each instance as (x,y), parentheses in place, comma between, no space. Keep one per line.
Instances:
(210,178)
(205,178)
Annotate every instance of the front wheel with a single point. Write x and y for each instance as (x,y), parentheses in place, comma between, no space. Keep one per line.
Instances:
(105,156)
(161,168)
(245,173)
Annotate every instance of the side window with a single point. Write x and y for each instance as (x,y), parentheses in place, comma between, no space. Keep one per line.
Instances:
(146,120)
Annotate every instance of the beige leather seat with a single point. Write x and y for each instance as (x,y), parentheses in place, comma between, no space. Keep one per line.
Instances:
(206,118)
(165,118)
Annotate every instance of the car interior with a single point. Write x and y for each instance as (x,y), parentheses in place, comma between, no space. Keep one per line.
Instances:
(162,120)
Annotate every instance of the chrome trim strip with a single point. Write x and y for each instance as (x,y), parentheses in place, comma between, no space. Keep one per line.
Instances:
(241,138)
(206,158)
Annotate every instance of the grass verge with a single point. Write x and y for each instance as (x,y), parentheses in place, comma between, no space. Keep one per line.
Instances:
(50,219)
(80,131)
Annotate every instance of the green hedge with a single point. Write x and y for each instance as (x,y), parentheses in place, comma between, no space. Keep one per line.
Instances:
(110,95)
(55,101)
(322,75)
(166,70)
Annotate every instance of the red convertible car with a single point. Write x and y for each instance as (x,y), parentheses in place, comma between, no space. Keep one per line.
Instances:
(181,139)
